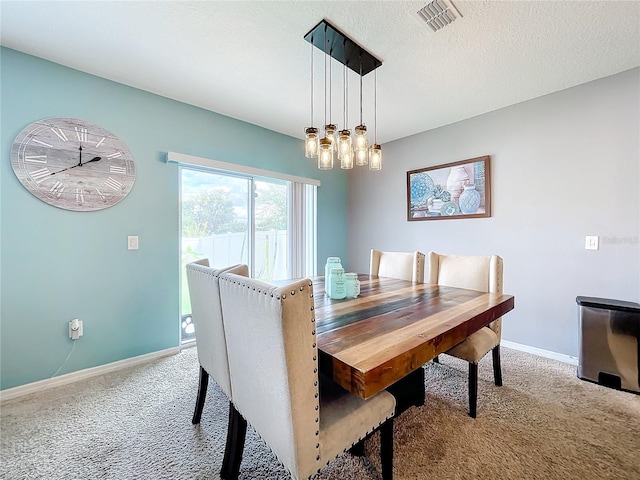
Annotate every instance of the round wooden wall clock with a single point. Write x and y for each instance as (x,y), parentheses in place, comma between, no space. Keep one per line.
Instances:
(73,164)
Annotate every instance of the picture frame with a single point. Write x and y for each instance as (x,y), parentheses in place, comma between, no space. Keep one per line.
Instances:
(450,191)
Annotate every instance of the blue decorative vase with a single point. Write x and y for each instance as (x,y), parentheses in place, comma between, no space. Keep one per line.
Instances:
(332,262)
(469,200)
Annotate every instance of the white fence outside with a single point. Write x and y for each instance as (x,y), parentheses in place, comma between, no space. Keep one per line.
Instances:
(271,258)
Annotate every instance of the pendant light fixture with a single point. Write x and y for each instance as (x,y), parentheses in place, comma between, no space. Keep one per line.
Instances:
(345,152)
(330,129)
(361,150)
(311,133)
(375,151)
(325,156)
(350,150)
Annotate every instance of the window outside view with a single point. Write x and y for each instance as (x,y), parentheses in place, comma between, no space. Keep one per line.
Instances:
(216,224)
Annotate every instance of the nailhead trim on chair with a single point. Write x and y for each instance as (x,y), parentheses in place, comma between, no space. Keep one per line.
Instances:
(315,370)
(200,272)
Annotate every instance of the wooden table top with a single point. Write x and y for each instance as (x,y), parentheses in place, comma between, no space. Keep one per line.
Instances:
(394,327)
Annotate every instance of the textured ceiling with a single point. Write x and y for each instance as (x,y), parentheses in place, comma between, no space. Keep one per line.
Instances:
(248,59)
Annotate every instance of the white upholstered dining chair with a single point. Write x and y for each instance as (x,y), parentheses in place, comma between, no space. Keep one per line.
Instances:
(403,265)
(206,313)
(307,421)
(474,273)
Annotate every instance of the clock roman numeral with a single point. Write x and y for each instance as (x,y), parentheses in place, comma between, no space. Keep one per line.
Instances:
(79,195)
(60,134)
(42,143)
(57,189)
(115,169)
(101,141)
(82,134)
(114,155)
(101,194)
(40,175)
(114,184)
(35,159)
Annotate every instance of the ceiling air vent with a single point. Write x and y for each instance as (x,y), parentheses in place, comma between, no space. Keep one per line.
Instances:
(438,14)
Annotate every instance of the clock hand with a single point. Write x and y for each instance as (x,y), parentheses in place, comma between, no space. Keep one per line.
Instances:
(95,159)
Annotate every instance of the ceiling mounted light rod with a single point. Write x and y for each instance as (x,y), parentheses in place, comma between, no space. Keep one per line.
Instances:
(342,48)
(330,128)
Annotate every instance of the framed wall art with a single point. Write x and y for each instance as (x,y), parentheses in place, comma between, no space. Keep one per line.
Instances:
(453,190)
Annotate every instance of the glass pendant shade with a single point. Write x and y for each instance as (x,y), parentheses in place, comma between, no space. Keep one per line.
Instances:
(346,162)
(361,145)
(344,144)
(375,157)
(311,142)
(325,156)
(362,157)
(330,133)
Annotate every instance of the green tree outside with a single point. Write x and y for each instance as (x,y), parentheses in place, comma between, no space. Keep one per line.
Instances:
(209,213)
(271,207)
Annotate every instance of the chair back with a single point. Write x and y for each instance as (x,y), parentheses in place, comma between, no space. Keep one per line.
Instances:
(206,312)
(403,265)
(273,360)
(479,273)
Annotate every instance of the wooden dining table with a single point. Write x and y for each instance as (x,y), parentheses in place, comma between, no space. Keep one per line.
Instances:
(381,339)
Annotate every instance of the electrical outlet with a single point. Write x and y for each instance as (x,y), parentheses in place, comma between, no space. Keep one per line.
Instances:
(591,242)
(75,329)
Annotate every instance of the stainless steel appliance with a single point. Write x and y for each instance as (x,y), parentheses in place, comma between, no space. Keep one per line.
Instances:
(609,342)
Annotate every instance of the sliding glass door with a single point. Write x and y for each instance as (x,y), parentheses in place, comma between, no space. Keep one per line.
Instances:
(232,218)
(271,234)
(215,218)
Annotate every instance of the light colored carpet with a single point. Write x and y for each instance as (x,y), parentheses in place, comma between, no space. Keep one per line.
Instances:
(544,423)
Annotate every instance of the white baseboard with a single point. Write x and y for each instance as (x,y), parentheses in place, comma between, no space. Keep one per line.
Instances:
(561,357)
(41,385)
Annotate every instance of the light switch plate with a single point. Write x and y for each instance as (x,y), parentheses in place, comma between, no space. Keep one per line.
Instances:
(591,242)
(132,242)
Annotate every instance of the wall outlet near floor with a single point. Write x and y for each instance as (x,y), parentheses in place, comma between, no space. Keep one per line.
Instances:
(75,329)
(591,242)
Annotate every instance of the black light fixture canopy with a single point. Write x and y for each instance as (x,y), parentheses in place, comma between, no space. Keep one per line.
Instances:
(342,48)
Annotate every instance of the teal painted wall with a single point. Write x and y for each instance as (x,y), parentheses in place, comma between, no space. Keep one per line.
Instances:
(57,265)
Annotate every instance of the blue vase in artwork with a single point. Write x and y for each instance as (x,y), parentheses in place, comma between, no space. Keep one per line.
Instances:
(469,200)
